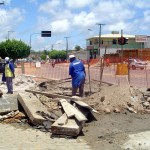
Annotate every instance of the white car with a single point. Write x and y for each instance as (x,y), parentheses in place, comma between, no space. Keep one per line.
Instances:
(137,63)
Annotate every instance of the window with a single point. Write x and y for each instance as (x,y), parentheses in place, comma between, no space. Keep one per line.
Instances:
(114,41)
(90,42)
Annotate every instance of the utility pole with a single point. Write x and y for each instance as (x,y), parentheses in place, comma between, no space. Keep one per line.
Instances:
(121,47)
(100,59)
(99,41)
(66,48)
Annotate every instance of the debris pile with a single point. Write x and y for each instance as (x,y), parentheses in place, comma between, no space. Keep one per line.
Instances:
(50,107)
(74,114)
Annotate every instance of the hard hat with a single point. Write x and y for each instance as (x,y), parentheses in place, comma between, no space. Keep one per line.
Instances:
(6,58)
(71,56)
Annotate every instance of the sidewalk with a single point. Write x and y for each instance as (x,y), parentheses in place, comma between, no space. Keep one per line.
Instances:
(17,138)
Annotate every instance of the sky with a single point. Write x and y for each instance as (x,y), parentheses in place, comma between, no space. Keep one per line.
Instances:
(75,19)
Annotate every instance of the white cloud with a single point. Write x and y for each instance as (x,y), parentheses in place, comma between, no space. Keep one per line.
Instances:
(84,19)
(78,3)
(141,4)
(50,6)
(10,19)
(113,11)
(57,26)
(60,26)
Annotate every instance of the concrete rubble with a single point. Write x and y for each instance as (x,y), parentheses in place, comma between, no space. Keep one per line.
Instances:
(61,114)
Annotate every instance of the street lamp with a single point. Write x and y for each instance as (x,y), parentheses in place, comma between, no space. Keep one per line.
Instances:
(9,34)
(66,47)
(31,46)
(31,37)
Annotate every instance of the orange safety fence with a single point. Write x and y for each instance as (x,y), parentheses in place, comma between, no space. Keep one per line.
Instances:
(138,77)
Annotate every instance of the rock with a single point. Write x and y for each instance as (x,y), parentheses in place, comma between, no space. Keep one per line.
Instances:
(131,109)
(102,98)
(148,99)
(116,110)
(146,104)
(107,111)
(1,93)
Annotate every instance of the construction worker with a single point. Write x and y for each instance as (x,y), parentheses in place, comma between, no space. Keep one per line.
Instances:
(9,74)
(107,62)
(77,72)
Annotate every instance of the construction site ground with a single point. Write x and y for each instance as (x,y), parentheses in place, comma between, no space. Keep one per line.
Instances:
(123,121)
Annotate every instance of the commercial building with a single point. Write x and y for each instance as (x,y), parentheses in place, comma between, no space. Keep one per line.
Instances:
(109,42)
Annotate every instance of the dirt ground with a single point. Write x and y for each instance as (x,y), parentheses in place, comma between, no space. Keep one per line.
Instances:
(122,110)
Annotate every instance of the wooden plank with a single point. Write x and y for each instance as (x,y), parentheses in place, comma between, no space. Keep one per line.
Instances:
(39,77)
(71,128)
(51,95)
(70,108)
(103,82)
(61,82)
(31,105)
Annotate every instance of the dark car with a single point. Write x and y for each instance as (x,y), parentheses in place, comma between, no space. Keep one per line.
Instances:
(2,67)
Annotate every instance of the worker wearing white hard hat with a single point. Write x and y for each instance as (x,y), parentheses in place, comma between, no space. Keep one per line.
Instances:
(77,72)
(6,59)
(9,74)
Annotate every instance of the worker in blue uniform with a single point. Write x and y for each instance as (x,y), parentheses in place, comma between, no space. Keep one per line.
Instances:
(78,74)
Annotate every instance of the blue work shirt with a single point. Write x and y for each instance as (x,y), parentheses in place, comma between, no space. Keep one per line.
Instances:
(77,72)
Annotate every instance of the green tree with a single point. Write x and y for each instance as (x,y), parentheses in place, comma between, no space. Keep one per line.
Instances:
(55,54)
(77,47)
(14,49)
(43,57)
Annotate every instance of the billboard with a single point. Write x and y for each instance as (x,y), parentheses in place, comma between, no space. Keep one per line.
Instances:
(140,38)
(45,33)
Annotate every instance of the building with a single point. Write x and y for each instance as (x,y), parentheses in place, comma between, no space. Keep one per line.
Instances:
(109,42)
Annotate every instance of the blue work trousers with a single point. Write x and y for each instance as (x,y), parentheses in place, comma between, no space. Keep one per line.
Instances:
(9,83)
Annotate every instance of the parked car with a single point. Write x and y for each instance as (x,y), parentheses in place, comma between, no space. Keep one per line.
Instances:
(136,63)
(2,67)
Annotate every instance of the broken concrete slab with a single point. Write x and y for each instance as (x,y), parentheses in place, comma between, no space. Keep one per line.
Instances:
(8,103)
(65,126)
(83,104)
(68,108)
(31,106)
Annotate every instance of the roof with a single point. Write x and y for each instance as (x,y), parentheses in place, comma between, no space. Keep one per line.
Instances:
(112,36)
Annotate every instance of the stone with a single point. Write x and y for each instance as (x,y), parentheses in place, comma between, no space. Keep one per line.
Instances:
(1,93)
(116,110)
(107,111)
(8,103)
(65,126)
(31,106)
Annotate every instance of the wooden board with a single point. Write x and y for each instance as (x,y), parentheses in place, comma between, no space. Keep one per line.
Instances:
(51,95)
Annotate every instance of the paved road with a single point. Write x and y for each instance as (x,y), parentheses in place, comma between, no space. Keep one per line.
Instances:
(13,138)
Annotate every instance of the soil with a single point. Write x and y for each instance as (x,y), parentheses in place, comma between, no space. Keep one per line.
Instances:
(121,110)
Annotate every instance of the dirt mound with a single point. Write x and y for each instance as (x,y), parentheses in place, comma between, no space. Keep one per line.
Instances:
(115,97)
(109,98)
